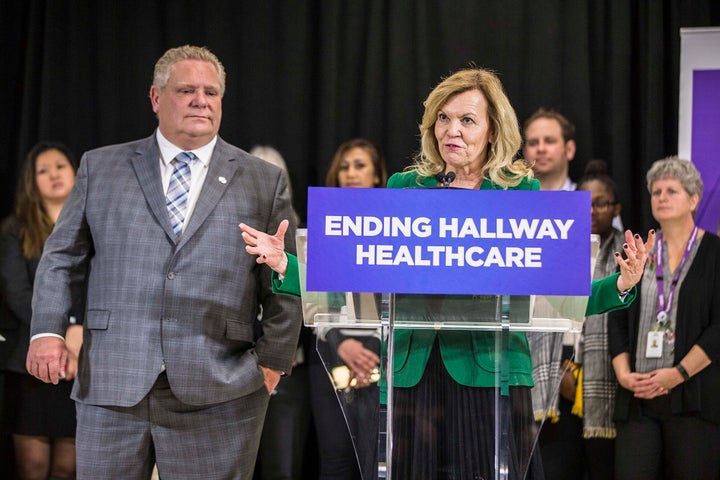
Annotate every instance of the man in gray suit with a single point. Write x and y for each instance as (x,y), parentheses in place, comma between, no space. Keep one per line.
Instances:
(169,372)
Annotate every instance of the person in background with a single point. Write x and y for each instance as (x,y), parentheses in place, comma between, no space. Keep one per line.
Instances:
(468,128)
(170,372)
(550,147)
(285,446)
(356,163)
(665,348)
(271,155)
(595,395)
(42,416)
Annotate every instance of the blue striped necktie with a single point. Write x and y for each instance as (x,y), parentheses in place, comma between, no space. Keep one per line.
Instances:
(178,190)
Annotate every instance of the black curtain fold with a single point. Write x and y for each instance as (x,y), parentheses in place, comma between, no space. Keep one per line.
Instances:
(306,76)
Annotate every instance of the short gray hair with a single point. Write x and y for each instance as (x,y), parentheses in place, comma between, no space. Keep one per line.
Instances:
(270,155)
(163,66)
(676,168)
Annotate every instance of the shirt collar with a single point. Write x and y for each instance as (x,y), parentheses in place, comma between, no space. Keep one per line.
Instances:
(569,185)
(168,150)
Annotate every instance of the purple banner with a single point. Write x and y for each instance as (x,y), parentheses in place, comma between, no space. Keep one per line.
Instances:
(705,129)
(448,241)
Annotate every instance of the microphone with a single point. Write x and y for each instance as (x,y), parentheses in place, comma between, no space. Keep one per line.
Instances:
(445,179)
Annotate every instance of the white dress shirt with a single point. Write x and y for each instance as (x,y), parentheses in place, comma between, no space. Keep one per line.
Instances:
(198,169)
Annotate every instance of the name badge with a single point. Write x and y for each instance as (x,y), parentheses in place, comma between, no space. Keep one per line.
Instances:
(654,345)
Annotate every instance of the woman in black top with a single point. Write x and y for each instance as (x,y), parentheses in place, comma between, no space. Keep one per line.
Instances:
(665,348)
(41,415)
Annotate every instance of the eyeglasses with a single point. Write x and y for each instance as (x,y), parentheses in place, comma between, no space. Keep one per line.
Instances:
(601,206)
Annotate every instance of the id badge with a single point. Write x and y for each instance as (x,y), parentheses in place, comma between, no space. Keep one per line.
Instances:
(654,345)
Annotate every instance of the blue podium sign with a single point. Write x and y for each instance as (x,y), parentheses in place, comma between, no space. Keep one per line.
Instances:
(448,241)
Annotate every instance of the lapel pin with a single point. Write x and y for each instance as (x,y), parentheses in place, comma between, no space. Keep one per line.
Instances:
(222,180)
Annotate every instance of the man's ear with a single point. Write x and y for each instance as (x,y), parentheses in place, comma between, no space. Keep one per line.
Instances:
(154,98)
(570,149)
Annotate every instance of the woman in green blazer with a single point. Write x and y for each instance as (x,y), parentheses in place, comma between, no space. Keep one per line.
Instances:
(444,400)
(410,364)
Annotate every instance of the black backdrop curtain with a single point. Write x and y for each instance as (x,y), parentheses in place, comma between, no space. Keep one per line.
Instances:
(304,76)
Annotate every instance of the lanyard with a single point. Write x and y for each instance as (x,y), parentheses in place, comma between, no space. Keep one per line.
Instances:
(663,310)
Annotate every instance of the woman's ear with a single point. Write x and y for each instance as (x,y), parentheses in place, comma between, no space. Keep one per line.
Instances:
(694,201)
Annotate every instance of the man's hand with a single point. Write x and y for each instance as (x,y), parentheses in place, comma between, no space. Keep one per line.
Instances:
(47,359)
(73,341)
(272,378)
(270,249)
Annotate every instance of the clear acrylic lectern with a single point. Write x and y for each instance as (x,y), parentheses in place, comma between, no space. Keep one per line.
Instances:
(382,322)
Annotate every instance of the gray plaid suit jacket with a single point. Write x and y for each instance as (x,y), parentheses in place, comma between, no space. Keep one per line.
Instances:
(188,305)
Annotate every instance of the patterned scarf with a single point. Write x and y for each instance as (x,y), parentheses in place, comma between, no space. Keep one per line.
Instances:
(598,377)
(546,349)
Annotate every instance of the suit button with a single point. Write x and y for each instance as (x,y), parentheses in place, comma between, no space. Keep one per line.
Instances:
(171,275)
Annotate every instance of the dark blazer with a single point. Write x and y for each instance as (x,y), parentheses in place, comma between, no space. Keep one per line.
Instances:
(187,305)
(698,323)
(17,275)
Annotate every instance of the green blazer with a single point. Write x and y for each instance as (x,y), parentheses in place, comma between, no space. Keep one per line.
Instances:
(468,357)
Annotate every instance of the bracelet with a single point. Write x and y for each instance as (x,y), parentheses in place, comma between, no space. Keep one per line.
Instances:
(623,295)
(683,372)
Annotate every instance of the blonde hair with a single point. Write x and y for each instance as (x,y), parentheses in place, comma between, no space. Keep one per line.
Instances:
(502,166)
(161,75)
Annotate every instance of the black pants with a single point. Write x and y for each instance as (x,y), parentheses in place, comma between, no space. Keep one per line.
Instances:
(286,432)
(561,445)
(337,454)
(654,444)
